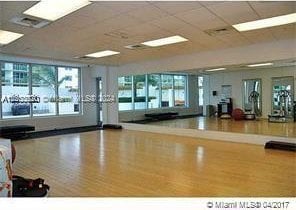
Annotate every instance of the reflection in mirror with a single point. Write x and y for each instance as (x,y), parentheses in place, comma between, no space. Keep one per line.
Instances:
(252,96)
(282,96)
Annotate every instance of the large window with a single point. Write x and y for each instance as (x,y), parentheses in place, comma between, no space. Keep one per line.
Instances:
(125,93)
(200,91)
(32,90)
(140,91)
(152,91)
(44,86)
(68,85)
(179,90)
(15,86)
(167,87)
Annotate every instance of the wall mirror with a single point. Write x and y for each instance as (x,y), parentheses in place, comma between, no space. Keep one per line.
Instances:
(252,96)
(282,96)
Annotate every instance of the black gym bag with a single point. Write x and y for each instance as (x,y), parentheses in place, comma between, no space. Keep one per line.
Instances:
(23,187)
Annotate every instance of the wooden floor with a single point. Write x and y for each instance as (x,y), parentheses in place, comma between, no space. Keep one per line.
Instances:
(132,163)
(261,127)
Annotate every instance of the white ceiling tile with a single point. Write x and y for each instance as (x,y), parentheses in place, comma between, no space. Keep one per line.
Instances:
(147,13)
(274,8)
(170,23)
(122,6)
(175,7)
(202,18)
(234,39)
(284,32)
(92,28)
(256,36)
(234,12)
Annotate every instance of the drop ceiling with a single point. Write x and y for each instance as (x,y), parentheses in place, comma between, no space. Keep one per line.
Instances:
(113,25)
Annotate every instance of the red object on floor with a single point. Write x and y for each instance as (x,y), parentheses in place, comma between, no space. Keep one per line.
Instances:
(238,114)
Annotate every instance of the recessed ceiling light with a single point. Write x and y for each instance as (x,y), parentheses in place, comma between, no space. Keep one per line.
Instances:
(260,64)
(165,41)
(218,69)
(102,54)
(55,9)
(266,23)
(7,36)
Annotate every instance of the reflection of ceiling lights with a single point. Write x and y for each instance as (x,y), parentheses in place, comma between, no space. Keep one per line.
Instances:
(102,54)
(165,41)
(7,37)
(218,69)
(260,64)
(55,9)
(266,23)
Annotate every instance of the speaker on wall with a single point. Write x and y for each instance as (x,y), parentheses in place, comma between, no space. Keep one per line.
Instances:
(214,93)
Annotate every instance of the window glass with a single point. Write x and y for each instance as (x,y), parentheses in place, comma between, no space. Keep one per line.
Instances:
(140,91)
(68,90)
(15,90)
(179,90)
(44,86)
(125,93)
(167,99)
(200,91)
(153,90)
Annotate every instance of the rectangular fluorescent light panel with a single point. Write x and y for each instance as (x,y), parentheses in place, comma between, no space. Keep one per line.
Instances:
(165,41)
(266,23)
(218,69)
(7,37)
(260,64)
(55,9)
(102,54)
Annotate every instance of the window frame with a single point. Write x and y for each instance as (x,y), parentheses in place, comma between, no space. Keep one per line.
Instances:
(186,105)
(30,86)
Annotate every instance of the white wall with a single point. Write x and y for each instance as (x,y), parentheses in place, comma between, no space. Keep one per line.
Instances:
(214,82)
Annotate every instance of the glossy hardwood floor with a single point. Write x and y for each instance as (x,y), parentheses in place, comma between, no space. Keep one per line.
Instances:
(132,163)
(261,127)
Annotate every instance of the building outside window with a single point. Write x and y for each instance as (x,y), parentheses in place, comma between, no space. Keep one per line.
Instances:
(140,91)
(15,84)
(167,98)
(21,80)
(200,91)
(68,91)
(44,86)
(179,90)
(153,91)
(125,93)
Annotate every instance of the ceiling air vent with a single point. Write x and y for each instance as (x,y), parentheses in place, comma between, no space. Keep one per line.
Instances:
(30,21)
(136,47)
(84,58)
(117,34)
(220,31)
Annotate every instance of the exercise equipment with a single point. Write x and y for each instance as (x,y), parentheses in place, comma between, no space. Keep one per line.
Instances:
(112,126)
(283,112)
(280,145)
(254,100)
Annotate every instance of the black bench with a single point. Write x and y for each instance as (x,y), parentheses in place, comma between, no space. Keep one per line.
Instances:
(12,132)
(162,116)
